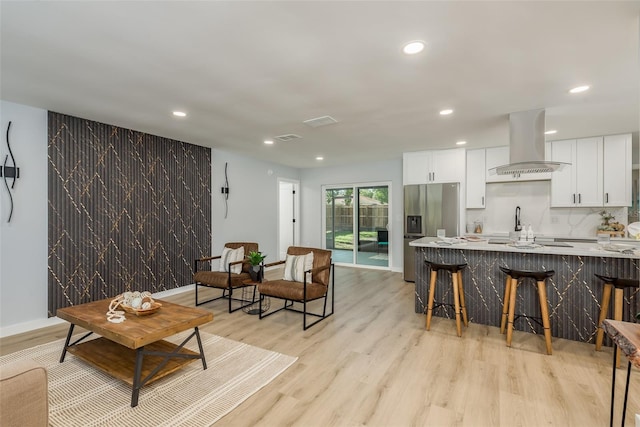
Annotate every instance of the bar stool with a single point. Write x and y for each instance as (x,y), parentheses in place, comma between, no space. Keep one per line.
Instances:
(458,292)
(514,278)
(620,285)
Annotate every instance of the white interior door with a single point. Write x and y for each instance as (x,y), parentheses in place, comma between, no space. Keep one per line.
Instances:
(288,208)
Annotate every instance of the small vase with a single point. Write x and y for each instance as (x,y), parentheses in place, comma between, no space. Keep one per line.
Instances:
(254,272)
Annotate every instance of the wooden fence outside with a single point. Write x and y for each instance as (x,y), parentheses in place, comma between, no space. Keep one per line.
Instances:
(371,217)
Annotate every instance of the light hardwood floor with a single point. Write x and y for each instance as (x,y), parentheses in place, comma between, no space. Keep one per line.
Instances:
(373,363)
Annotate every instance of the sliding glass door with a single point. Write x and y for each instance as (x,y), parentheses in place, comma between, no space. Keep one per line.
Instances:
(356,224)
(339,223)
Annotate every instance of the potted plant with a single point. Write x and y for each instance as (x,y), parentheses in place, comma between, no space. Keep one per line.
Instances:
(255,259)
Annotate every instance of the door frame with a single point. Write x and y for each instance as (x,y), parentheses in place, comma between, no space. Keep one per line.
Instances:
(296,213)
(355,186)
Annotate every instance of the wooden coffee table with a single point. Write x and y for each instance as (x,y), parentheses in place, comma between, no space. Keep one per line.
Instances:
(134,351)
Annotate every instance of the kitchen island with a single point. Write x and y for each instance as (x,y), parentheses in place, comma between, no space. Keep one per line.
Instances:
(574,293)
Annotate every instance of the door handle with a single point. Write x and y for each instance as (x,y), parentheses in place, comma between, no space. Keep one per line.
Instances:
(574,197)
(482,200)
(579,198)
(606,195)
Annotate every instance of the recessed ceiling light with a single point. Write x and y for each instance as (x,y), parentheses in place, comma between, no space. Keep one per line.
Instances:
(413,47)
(179,114)
(319,158)
(268,141)
(446,112)
(461,142)
(551,132)
(579,89)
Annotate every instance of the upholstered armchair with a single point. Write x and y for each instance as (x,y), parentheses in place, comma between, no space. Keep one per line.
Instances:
(232,272)
(306,278)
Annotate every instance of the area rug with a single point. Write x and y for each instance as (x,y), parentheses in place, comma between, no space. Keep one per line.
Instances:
(81,395)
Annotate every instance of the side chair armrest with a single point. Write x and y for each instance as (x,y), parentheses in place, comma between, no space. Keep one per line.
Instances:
(271,264)
(209,258)
(317,270)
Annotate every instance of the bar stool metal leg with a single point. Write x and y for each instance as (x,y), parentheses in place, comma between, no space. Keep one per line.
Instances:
(613,384)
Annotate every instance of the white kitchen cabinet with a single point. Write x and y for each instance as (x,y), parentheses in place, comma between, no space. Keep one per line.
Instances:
(617,172)
(415,167)
(580,183)
(498,156)
(436,166)
(476,170)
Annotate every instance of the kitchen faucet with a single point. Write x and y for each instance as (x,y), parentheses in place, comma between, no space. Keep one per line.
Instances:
(518,226)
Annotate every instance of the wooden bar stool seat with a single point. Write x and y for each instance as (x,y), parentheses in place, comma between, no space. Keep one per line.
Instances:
(619,285)
(458,292)
(514,278)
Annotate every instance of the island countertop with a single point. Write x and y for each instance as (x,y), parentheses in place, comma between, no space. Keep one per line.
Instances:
(574,292)
(591,249)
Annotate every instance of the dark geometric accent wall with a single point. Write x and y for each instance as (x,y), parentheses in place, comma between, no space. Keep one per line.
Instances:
(127,211)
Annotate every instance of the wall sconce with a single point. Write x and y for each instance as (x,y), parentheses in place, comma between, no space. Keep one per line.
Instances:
(11,172)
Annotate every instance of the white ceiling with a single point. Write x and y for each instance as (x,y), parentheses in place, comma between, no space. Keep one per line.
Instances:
(246,71)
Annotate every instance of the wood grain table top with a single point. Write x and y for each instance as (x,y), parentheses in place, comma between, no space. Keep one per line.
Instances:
(135,331)
(626,335)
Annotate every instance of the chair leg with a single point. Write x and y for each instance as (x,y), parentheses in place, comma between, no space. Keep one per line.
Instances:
(505,304)
(456,302)
(544,309)
(463,305)
(432,294)
(618,298)
(604,309)
(512,310)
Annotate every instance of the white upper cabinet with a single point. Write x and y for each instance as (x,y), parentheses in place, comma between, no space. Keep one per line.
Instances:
(581,182)
(476,170)
(617,170)
(437,166)
(498,156)
(415,167)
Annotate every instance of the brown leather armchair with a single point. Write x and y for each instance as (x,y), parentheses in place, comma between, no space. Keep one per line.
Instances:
(303,291)
(225,280)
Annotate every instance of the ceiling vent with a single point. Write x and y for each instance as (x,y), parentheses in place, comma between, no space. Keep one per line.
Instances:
(288,137)
(320,121)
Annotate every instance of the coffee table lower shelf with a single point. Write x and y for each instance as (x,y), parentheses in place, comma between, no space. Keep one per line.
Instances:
(120,361)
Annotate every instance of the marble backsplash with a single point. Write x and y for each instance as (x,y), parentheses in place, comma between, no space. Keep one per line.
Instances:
(534,199)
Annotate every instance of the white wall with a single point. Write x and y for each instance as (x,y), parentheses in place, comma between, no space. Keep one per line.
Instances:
(312,203)
(253,201)
(23,241)
(252,212)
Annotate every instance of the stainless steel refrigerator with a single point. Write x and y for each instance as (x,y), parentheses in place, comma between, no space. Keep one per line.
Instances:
(427,208)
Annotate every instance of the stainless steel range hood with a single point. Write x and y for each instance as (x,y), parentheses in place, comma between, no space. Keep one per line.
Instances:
(526,145)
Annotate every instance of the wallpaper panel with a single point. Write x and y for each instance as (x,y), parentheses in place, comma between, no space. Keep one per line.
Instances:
(127,211)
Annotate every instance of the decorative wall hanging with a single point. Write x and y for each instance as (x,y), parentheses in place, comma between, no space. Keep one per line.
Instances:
(9,172)
(225,191)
